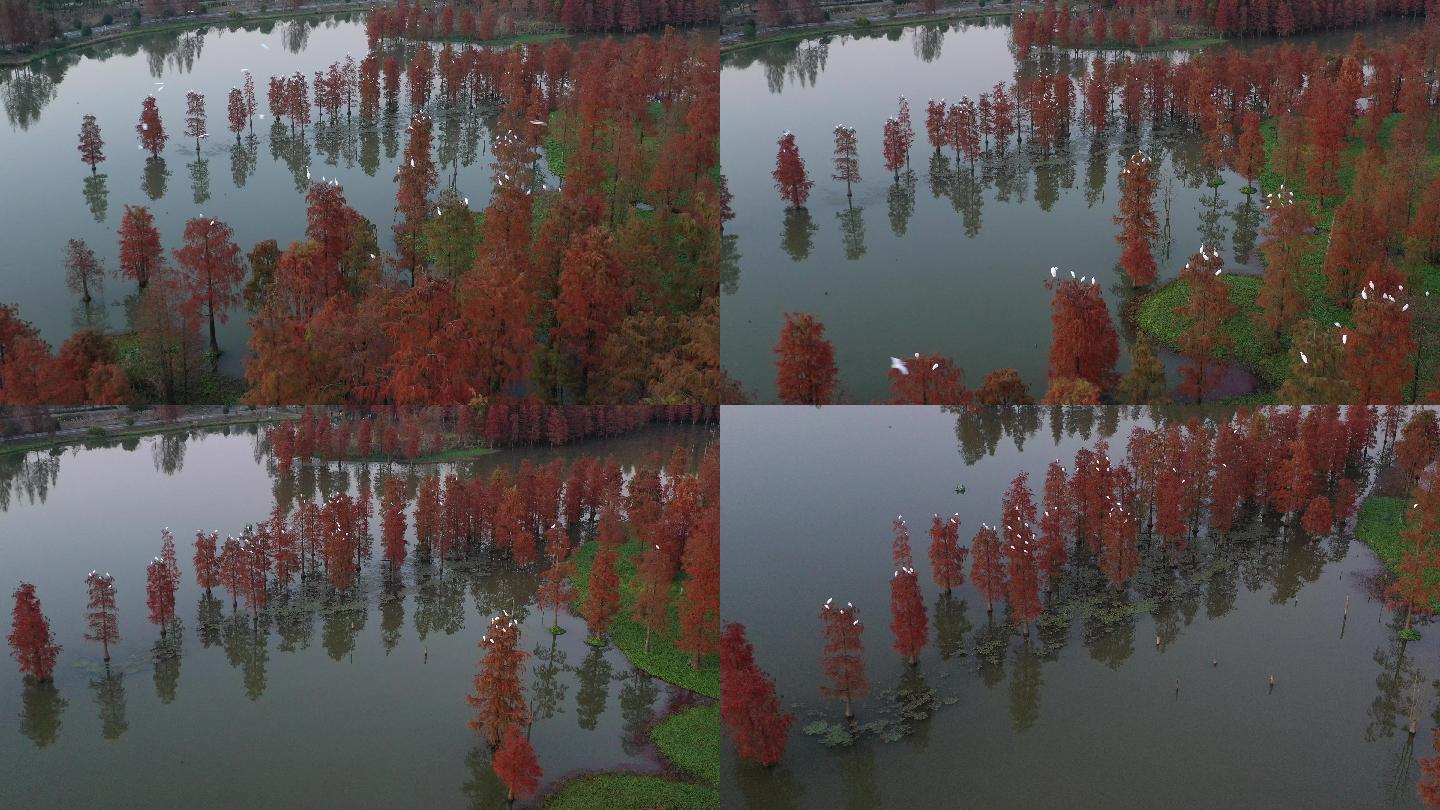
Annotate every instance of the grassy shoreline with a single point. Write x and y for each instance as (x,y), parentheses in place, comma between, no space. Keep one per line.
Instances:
(22,59)
(182,425)
(1157,314)
(689,744)
(850,26)
(688,741)
(76,43)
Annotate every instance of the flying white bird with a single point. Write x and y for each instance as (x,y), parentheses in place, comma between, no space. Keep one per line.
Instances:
(266,47)
(899,365)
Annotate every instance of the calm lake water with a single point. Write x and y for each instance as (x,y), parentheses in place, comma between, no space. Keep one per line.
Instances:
(939,261)
(257,187)
(336,704)
(1084,714)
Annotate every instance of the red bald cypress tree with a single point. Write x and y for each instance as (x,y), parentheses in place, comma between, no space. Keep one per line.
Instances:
(1318,517)
(847,158)
(652,591)
(1419,445)
(1206,310)
(151,129)
(928,379)
(908,620)
(555,591)
(1250,154)
(1139,227)
(101,612)
(235,111)
(596,292)
(206,561)
(213,271)
(1119,557)
(947,556)
(1083,342)
(805,362)
(1282,299)
(894,147)
(844,660)
(141,254)
(498,695)
(516,765)
(195,117)
(392,522)
(92,146)
(987,572)
(1056,515)
(31,642)
(1022,579)
(790,177)
(160,594)
(700,606)
(602,599)
(1415,586)
(749,706)
(1380,357)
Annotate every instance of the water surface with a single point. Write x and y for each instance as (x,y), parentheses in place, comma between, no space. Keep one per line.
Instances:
(339,702)
(1083,714)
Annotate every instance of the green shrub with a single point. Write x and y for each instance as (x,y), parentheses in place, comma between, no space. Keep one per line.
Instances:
(85,32)
(108,19)
(135,18)
(97,432)
(862,22)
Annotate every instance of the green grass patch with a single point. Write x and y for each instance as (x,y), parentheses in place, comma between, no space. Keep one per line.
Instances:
(627,791)
(663,661)
(1379,525)
(691,740)
(1159,316)
(451,454)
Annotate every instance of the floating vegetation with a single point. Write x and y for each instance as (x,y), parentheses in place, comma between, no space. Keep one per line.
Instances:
(898,711)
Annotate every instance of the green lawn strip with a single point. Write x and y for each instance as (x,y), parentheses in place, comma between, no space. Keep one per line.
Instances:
(1379,524)
(1157,314)
(451,454)
(628,791)
(663,661)
(691,741)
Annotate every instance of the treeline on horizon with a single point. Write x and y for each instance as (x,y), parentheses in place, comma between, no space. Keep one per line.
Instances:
(483,20)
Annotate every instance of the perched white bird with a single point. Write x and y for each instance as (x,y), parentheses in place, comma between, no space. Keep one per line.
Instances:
(1303,358)
(937,365)
(1053,270)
